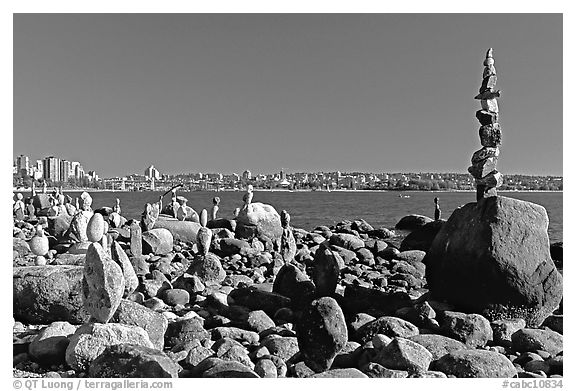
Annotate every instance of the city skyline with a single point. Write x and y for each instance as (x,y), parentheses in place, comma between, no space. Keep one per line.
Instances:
(349,92)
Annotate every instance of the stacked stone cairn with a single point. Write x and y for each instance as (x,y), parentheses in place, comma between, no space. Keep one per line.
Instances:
(484,161)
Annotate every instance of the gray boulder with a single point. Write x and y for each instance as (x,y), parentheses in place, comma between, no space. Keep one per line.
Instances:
(259,220)
(103,284)
(321,333)
(530,340)
(158,241)
(438,345)
(130,278)
(134,314)
(472,329)
(326,272)
(404,354)
(45,294)
(412,222)
(476,364)
(91,339)
(493,258)
(129,360)
(49,346)
(387,325)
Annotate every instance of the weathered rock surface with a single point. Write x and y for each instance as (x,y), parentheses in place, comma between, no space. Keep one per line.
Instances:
(321,333)
(472,329)
(103,284)
(45,294)
(530,340)
(49,346)
(259,220)
(129,360)
(412,222)
(475,363)
(387,325)
(159,241)
(493,258)
(326,272)
(130,278)
(91,339)
(438,345)
(134,314)
(404,354)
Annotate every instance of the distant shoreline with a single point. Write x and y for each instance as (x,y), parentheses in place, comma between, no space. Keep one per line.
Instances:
(16,190)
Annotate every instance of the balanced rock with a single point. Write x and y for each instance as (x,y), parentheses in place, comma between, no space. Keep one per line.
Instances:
(326,271)
(259,220)
(95,228)
(493,258)
(293,283)
(42,295)
(130,278)
(103,284)
(475,364)
(91,339)
(321,333)
(129,360)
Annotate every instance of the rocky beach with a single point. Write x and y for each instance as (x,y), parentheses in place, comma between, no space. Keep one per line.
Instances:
(96,295)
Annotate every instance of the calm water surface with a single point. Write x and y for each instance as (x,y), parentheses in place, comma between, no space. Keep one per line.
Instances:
(310,209)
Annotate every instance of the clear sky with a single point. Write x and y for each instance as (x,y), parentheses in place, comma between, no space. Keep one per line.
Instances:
(303,92)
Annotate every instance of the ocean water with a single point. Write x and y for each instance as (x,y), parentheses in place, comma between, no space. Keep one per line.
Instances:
(310,209)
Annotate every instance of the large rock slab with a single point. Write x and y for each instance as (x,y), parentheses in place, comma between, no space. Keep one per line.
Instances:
(259,220)
(475,363)
(129,360)
(158,241)
(91,339)
(493,258)
(321,333)
(45,294)
(134,314)
(103,284)
(184,231)
(421,238)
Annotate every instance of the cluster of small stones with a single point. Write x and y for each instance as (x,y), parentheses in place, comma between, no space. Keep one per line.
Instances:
(339,301)
(484,161)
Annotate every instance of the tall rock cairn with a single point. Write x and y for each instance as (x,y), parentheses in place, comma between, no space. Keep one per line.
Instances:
(484,161)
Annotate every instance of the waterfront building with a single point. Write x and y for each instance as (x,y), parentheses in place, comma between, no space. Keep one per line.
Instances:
(152,172)
(23,165)
(51,169)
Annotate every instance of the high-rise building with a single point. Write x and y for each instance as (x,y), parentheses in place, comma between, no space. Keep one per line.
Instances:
(65,170)
(152,172)
(23,165)
(51,169)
